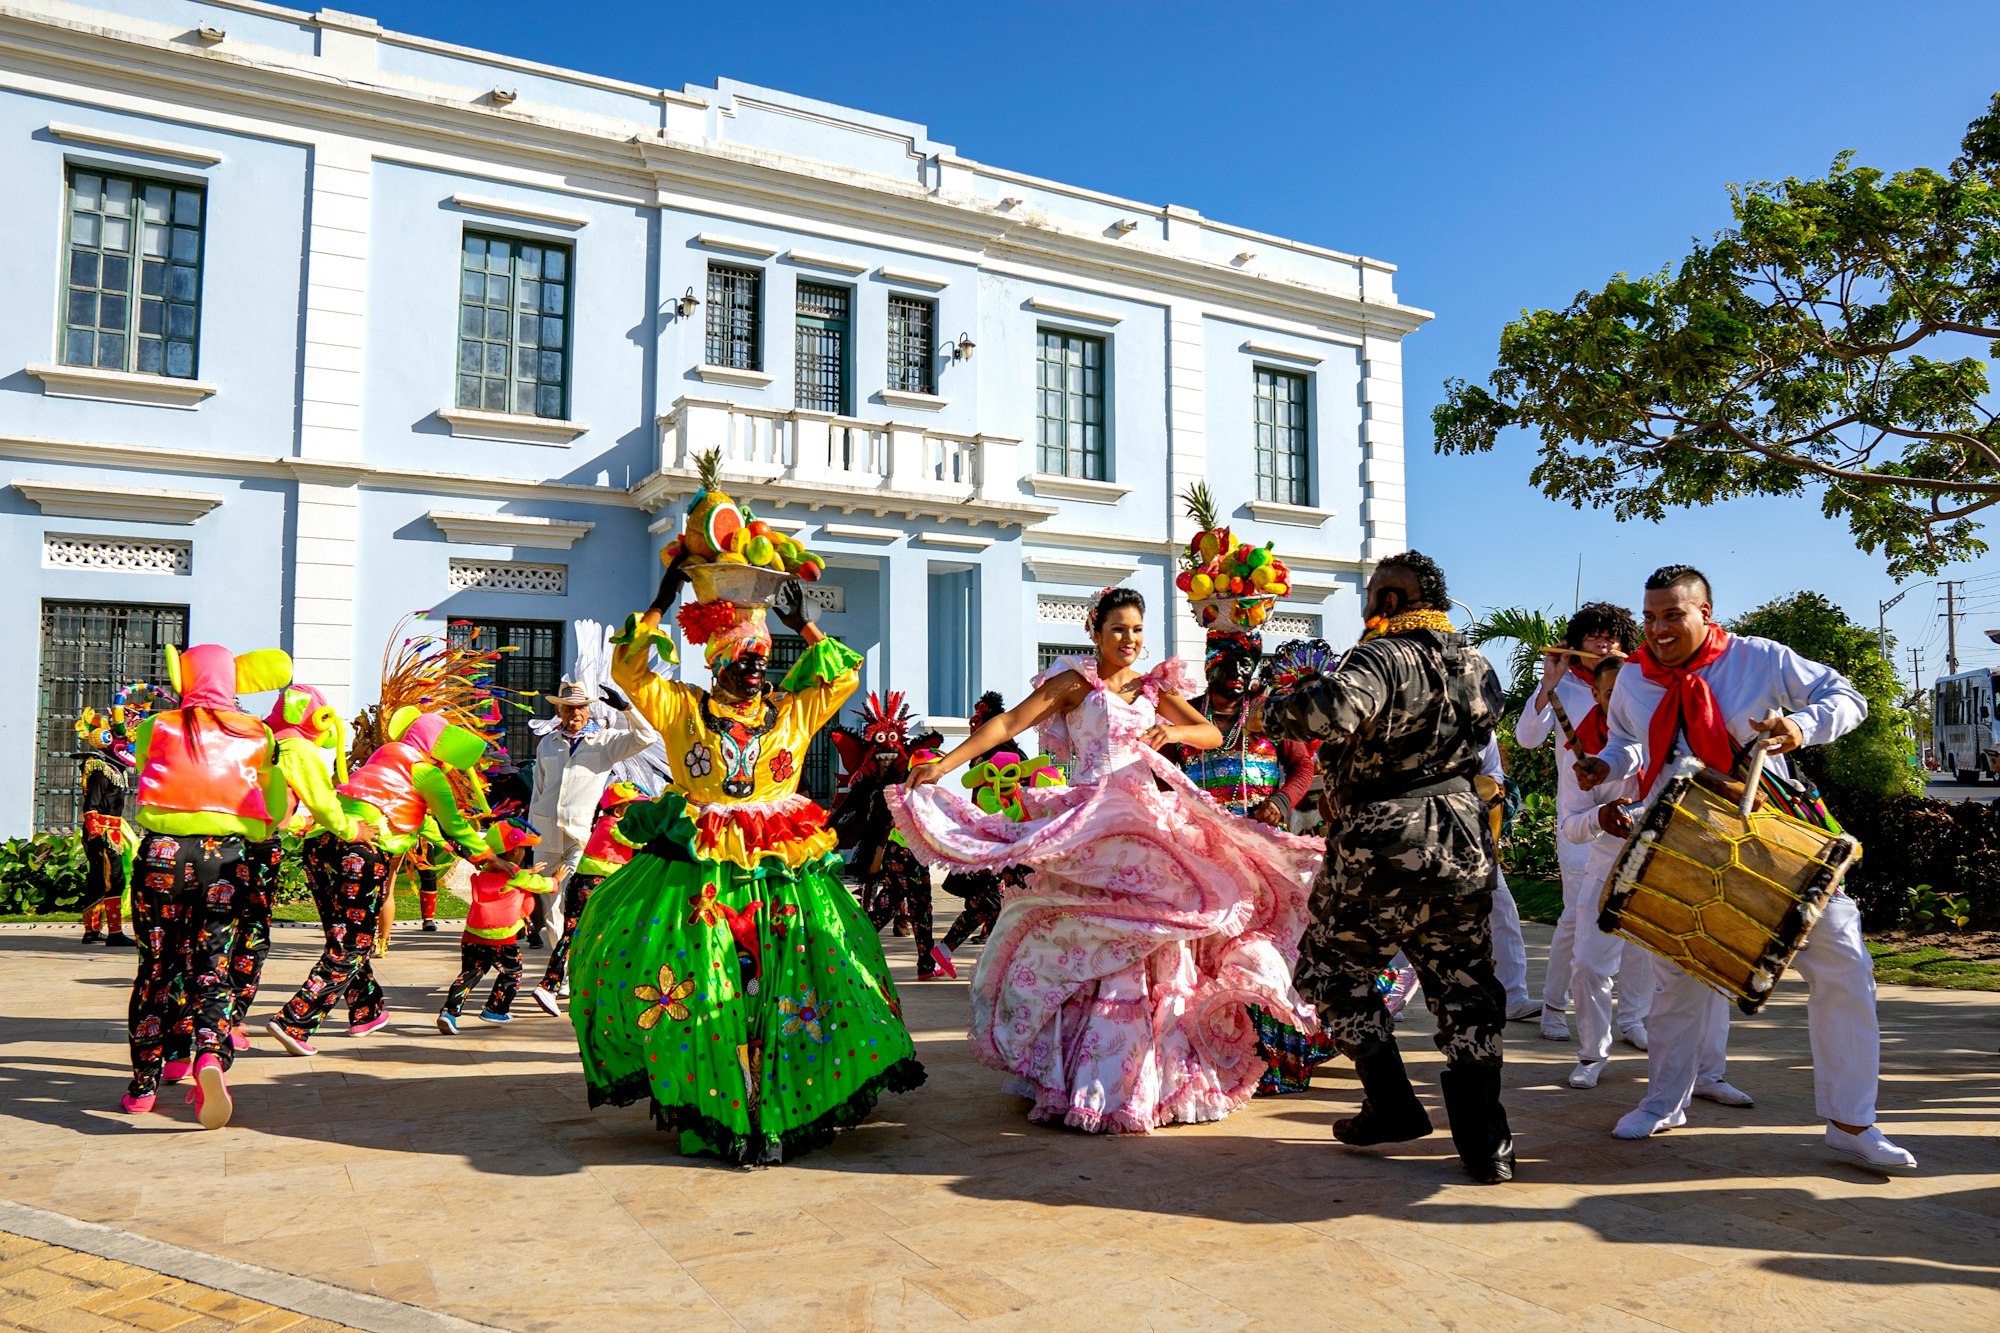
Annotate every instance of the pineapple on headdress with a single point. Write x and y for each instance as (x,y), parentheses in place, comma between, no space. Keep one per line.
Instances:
(1233,585)
(718,531)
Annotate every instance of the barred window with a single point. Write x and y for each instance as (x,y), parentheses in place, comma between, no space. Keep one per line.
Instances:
(90,651)
(1283,470)
(532,664)
(824,339)
(133,300)
(513,326)
(1047,653)
(1069,412)
(735,313)
(912,345)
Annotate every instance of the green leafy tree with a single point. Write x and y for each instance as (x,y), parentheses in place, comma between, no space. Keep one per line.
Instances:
(1529,632)
(1873,760)
(1830,340)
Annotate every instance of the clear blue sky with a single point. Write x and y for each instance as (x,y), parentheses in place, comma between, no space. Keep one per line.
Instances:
(1503,155)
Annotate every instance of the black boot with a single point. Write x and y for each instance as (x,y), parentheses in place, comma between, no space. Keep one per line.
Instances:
(1478,1122)
(1390,1111)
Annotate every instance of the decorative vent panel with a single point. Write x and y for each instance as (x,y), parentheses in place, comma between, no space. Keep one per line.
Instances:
(1061,610)
(509,576)
(122,555)
(1280,628)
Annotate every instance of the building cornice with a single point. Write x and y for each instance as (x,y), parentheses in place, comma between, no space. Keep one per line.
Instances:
(551,534)
(409,113)
(325,472)
(663,488)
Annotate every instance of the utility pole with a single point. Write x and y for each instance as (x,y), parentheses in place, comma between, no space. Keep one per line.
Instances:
(1916,675)
(1951,615)
(1882,621)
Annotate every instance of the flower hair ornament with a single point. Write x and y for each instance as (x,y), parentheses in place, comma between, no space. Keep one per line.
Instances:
(1090,616)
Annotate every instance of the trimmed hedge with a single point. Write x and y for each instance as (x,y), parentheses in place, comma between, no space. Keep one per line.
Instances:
(1910,842)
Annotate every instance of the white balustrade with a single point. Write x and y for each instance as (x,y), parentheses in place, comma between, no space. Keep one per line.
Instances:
(820,449)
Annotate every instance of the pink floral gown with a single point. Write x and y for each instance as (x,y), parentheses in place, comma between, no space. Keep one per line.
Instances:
(1113,986)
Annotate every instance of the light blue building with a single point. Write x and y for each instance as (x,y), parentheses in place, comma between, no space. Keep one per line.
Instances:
(311,325)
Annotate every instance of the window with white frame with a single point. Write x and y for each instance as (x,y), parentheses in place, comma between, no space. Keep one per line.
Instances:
(912,345)
(513,326)
(735,316)
(1069,407)
(1283,446)
(133,297)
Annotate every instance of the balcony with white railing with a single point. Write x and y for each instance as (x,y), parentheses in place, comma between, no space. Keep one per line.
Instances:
(796,456)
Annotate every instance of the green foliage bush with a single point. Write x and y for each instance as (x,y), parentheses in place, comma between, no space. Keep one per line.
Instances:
(42,874)
(1529,847)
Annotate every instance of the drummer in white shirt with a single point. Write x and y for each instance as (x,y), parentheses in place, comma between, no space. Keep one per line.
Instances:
(1594,629)
(1694,688)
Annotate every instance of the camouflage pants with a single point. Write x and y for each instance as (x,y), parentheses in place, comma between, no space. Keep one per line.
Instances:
(1446,937)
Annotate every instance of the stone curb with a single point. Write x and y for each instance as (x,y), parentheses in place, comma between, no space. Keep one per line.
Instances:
(315,1300)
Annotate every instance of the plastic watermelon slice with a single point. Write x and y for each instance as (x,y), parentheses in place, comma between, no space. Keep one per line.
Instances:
(722,522)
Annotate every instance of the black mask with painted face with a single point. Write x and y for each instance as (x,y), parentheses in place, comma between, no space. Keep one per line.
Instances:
(743,679)
(1230,675)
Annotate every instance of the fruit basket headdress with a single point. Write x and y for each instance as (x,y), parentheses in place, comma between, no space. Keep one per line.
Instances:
(737,564)
(1232,585)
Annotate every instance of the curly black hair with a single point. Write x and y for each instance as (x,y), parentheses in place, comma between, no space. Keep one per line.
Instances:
(1110,600)
(1679,576)
(1431,592)
(1602,618)
(989,705)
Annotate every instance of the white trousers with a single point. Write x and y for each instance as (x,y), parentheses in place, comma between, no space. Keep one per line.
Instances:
(1597,957)
(1690,1025)
(1510,951)
(1555,982)
(1582,888)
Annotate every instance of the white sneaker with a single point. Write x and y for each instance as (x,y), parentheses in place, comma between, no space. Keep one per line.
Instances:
(1585,1074)
(1870,1148)
(1634,1037)
(1554,1026)
(1642,1124)
(1523,1009)
(547,999)
(1723,1094)
(562,991)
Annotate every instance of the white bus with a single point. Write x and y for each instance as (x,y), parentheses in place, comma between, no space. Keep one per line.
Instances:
(1965,725)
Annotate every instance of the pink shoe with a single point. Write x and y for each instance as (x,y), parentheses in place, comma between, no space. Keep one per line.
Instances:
(363,1029)
(210,1093)
(944,962)
(136,1105)
(173,1071)
(293,1045)
(239,1039)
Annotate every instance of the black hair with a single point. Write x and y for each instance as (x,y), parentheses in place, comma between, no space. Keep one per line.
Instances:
(1430,579)
(1680,576)
(1602,618)
(1110,600)
(1605,666)
(989,703)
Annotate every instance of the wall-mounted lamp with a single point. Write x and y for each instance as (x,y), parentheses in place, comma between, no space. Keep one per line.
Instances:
(1244,256)
(505,96)
(208,34)
(1125,226)
(962,349)
(1012,201)
(686,303)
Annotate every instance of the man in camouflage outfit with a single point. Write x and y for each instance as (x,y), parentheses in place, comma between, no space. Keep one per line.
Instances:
(1409,861)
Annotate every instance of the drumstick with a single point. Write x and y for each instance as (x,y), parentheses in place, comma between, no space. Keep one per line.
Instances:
(1750,783)
(1587,659)
(1568,731)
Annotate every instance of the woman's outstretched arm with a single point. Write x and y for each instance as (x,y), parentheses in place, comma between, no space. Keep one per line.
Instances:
(1058,694)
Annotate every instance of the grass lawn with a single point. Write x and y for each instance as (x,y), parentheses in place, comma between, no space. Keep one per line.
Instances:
(1927,965)
(1539,899)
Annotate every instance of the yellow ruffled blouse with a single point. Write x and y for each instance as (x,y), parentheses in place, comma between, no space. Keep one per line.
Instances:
(740,767)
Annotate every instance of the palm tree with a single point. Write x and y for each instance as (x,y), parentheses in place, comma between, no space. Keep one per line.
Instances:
(1529,632)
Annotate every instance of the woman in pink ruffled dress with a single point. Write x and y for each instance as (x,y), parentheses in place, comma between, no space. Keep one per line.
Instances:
(1113,987)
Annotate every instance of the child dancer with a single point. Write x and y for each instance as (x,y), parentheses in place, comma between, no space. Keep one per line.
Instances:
(1596,821)
(1114,989)
(501,901)
(603,852)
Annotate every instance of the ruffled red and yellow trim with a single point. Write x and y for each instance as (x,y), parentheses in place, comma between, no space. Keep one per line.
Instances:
(792,830)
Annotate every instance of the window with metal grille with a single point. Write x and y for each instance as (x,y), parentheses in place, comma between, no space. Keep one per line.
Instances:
(1069,409)
(1283,467)
(1047,653)
(513,326)
(912,345)
(133,300)
(735,301)
(816,779)
(823,342)
(535,664)
(90,651)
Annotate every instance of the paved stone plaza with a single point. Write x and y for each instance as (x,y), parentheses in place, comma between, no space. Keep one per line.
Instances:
(467,1177)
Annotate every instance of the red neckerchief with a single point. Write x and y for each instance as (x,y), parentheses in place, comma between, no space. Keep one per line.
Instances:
(1689,706)
(1593,731)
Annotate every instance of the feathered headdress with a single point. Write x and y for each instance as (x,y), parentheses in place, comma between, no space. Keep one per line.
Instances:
(429,672)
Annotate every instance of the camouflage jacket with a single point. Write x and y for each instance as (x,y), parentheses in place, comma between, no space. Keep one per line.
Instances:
(1402,711)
